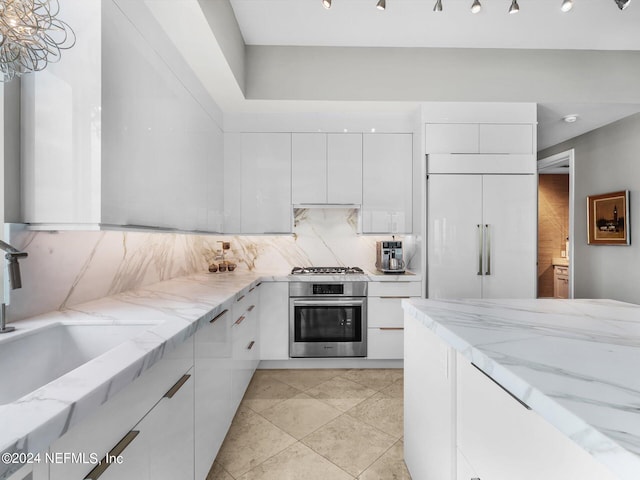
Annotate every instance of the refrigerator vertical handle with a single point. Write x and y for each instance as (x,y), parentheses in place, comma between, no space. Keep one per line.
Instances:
(479,249)
(488,245)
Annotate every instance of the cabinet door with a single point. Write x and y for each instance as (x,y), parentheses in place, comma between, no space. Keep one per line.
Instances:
(455,236)
(387,183)
(163,448)
(385,343)
(245,348)
(344,168)
(428,403)
(232,184)
(510,223)
(501,439)
(309,168)
(451,138)
(213,409)
(274,321)
(506,139)
(266,183)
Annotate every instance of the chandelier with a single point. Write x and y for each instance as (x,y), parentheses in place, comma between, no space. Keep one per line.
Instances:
(31,36)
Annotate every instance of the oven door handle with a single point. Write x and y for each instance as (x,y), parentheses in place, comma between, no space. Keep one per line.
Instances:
(323,301)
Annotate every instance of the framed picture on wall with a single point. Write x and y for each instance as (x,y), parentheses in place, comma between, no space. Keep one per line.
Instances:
(608,218)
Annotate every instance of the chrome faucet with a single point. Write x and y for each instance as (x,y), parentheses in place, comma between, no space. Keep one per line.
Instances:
(15,279)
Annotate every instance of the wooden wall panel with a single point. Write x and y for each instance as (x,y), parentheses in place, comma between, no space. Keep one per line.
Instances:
(553,226)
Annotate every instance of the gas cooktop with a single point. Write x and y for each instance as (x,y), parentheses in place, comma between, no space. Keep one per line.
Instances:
(326,270)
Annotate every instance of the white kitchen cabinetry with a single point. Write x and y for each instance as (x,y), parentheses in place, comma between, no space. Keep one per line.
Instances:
(471,138)
(213,408)
(482,236)
(105,428)
(266,183)
(326,168)
(163,446)
(245,351)
(500,438)
(429,402)
(98,150)
(274,321)
(385,318)
(308,168)
(387,174)
(344,168)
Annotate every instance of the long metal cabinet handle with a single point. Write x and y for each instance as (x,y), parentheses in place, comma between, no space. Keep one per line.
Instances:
(173,390)
(479,249)
(114,452)
(488,246)
(219,315)
(239,320)
(250,346)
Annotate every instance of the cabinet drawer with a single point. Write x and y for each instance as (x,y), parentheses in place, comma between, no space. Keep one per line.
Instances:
(561,270)
(395,289)
(384,312)
(247,301)
(385,343)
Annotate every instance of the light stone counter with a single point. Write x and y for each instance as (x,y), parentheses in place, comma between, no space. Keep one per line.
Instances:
(574,362)
(174,308)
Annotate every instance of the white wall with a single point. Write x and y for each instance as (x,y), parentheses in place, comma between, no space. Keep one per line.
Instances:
(606,160)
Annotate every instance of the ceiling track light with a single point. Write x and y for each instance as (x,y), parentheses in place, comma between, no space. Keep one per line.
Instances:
(475,6)
(326,4)
(438,6)
(622,4)
(382,4)
(566,5)
(514,8)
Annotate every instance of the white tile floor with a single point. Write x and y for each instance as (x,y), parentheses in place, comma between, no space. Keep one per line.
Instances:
(317,425)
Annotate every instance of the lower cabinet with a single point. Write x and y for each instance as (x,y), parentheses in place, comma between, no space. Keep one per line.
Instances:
(274,321)
(385,318)
(213,410)
(500,438)
(104,429)
(245,350)
(560,281)
(429,414)
(460,425)
(161,445)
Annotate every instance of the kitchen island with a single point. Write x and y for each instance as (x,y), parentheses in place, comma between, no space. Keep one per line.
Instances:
(527,389)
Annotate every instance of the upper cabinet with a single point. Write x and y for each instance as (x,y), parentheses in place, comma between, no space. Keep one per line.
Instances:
(265,183)
(387,182)
(479,138)
(326,168)
(100,150)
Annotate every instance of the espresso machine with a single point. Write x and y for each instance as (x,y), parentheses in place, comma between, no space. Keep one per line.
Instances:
(389,258)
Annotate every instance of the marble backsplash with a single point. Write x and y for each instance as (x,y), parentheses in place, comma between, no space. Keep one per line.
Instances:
(65,268)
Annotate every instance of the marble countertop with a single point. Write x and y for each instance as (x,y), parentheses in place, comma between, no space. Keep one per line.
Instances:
(176,308)
(560,261)
(574,362)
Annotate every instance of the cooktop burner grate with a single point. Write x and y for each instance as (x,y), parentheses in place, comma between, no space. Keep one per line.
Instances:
(326,270)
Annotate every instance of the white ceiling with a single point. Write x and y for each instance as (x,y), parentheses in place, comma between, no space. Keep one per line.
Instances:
(591,24)
(404,23)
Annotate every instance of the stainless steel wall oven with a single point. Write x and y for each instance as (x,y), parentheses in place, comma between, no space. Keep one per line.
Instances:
(328,319)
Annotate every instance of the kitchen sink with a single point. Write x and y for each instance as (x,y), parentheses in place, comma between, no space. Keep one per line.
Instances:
(31,359)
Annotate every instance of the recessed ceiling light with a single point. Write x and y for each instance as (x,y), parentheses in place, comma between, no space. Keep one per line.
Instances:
(373,130)
(382,4)
(326,4)
(514,8)
(345,130)
(476,7)
(438,6)
(566,5)
(570,118)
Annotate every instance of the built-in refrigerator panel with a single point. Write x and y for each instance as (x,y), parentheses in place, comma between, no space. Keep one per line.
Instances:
(481,236)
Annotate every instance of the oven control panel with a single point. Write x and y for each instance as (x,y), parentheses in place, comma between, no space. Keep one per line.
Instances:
(328,289)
